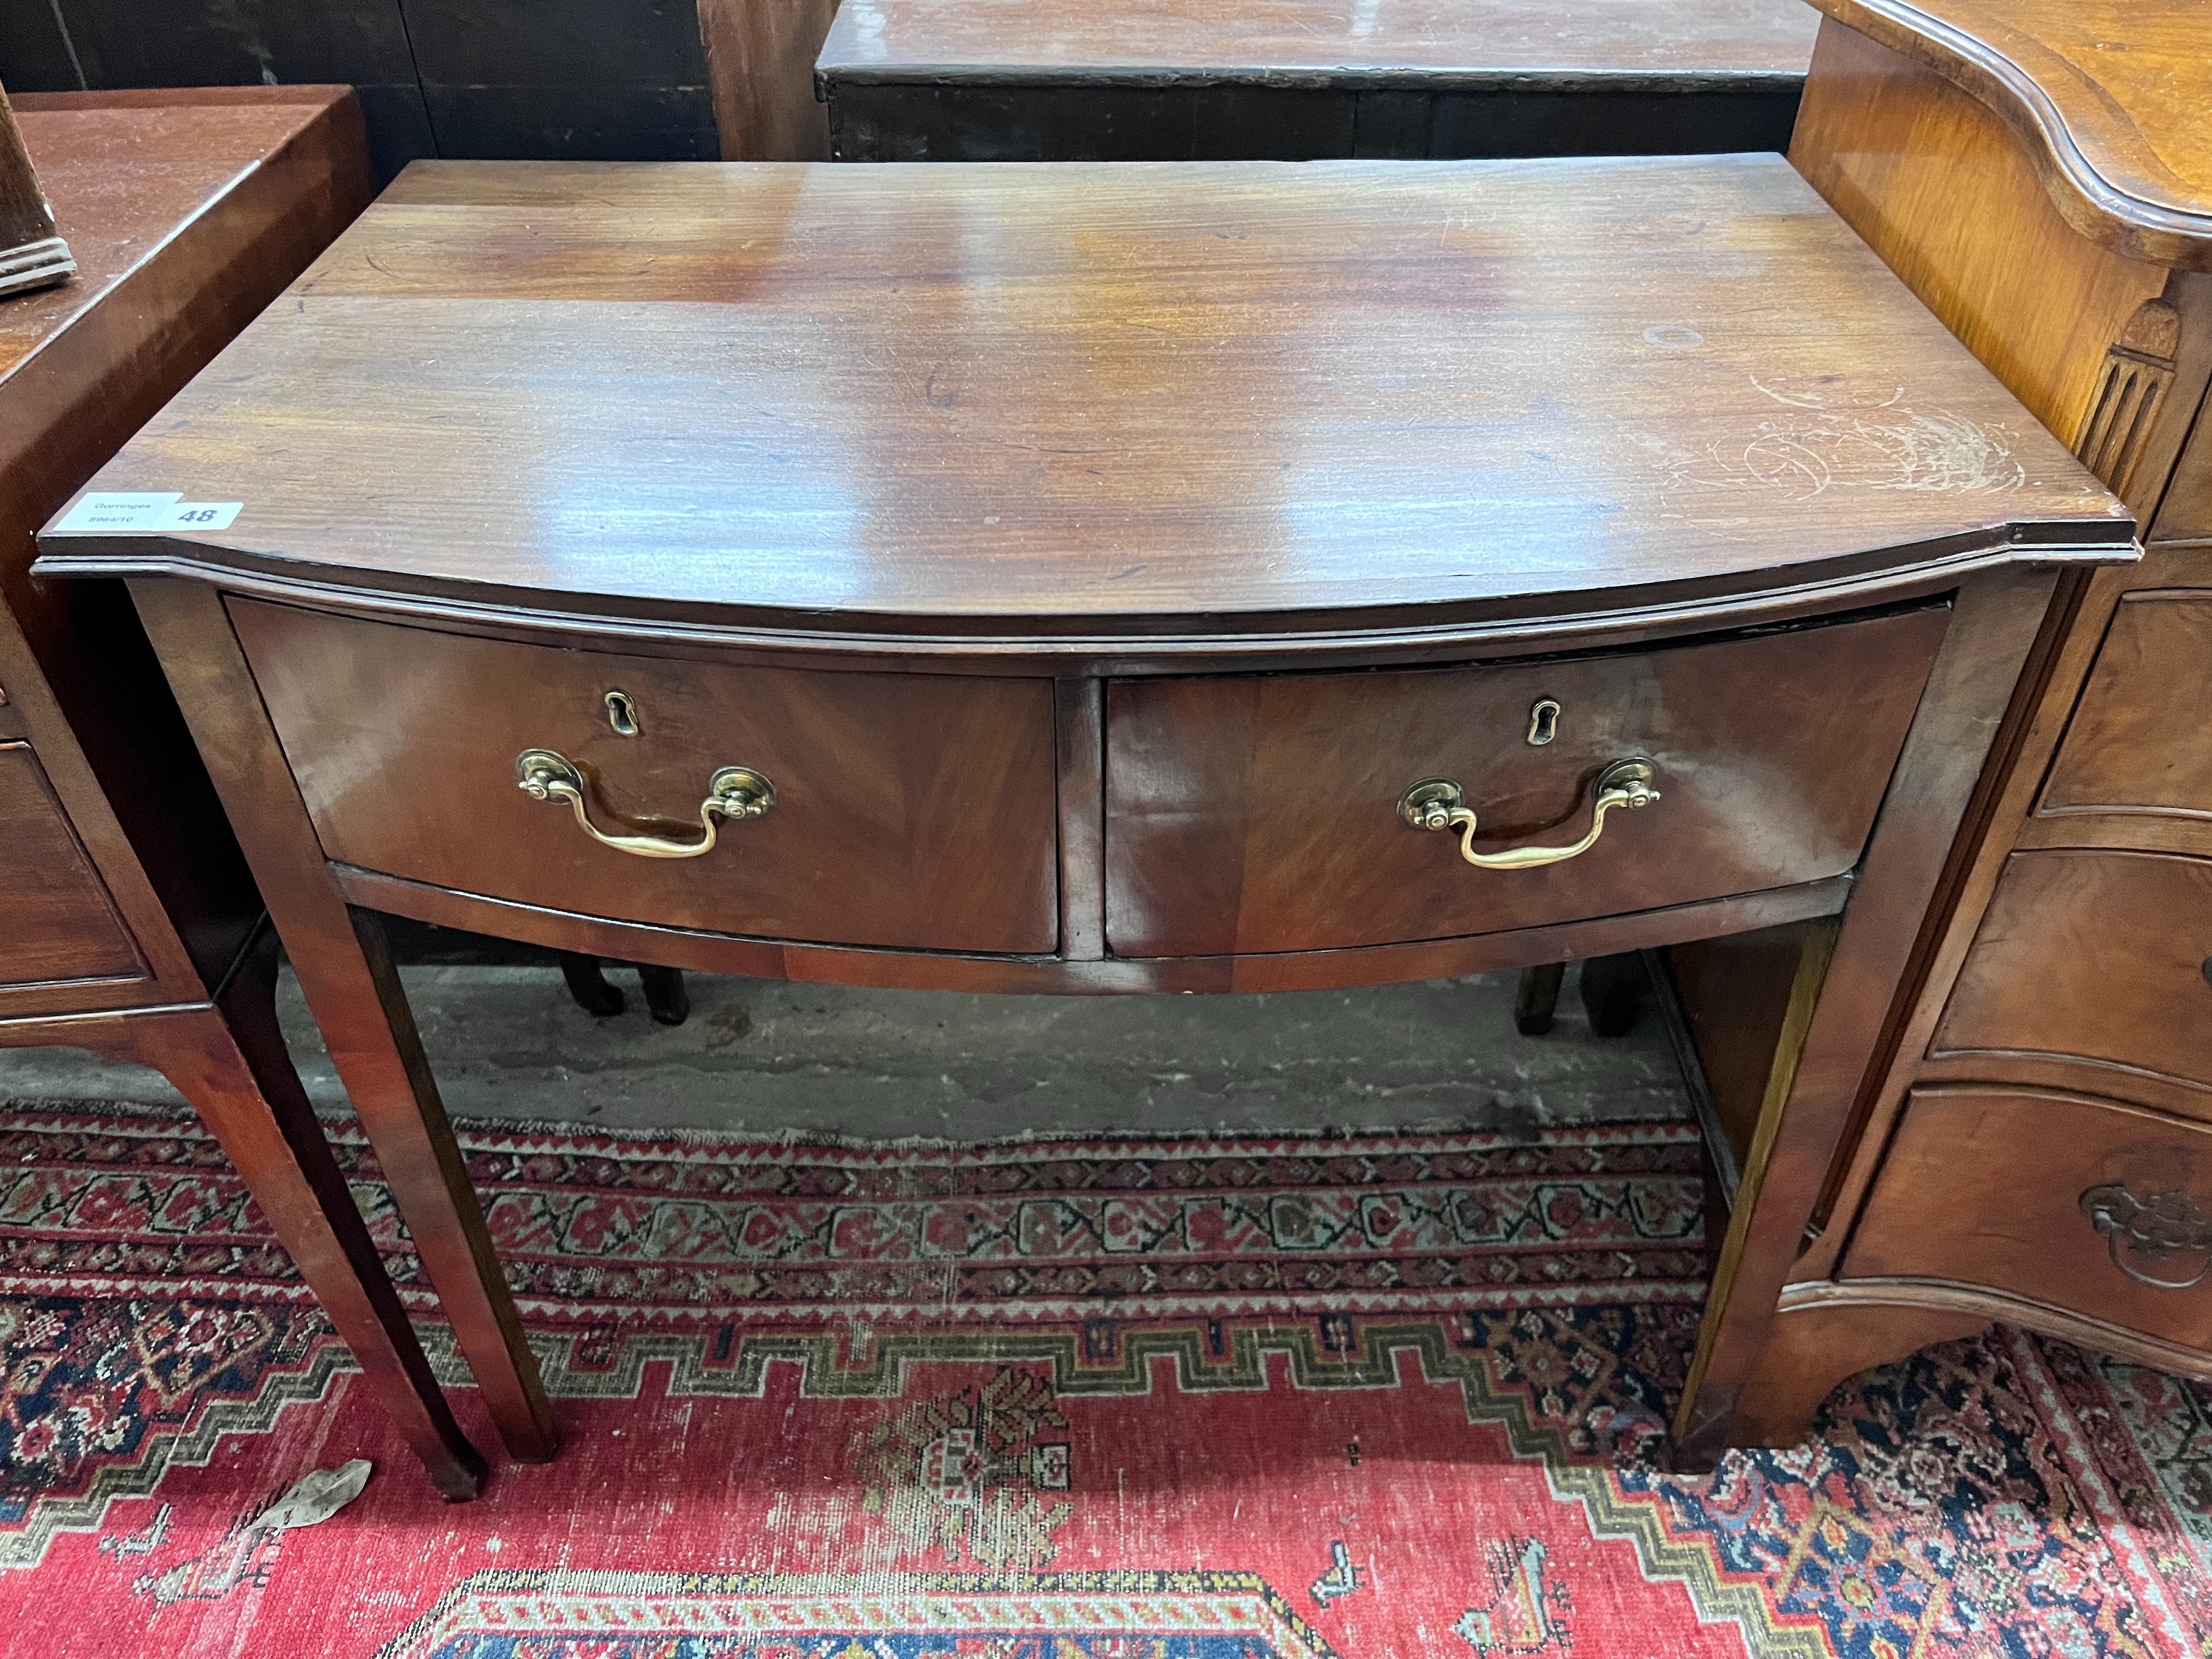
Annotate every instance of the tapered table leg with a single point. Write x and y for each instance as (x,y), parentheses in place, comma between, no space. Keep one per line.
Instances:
(230,1062)
(354,993)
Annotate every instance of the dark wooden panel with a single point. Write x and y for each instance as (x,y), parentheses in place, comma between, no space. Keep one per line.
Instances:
(2139,743)
(36,52)
(933,122)
(1260,813)
(960,399)
(1935,1212)
(192,43)
(565,78)
(911,809)
(1059,123)
(2094,954)
(60,925)
(598,123)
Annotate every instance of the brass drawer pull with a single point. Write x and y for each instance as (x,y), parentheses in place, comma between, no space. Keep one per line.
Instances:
(735,792)
(1440,803)
(2163,1224)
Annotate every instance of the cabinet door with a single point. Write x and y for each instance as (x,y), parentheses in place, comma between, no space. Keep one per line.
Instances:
(55,922)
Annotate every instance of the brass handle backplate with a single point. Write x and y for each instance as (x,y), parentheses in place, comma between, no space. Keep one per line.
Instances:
(1440,803)
(2163,1224)
(735,792)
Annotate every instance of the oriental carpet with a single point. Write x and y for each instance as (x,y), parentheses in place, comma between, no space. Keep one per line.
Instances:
(1378,1397)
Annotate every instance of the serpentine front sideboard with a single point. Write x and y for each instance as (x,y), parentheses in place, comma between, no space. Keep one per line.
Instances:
(2039,1150)
(1302,80)
(1095,578)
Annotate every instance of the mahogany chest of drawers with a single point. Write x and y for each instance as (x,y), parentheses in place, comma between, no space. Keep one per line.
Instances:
(1098,579)
(2036,1149)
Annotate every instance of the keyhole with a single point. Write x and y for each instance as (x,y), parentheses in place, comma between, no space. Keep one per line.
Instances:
(621,714)
(1543,721)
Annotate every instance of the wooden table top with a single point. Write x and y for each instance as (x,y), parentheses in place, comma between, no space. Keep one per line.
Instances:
(1023,398)
(2115,96)
(124,170)
(1525,44)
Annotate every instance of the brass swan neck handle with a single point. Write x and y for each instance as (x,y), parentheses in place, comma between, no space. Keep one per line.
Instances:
(735,792)
(1440,803)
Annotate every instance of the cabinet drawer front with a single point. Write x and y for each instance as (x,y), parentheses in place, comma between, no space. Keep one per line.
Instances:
(60,925)
(2093,956)
(1257,813)
(912,811)
(2101,1209)
(2139,741)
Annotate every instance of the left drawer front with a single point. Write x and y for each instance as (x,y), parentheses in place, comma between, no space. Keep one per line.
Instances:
(2077,1203)
(911,810)
(60,926)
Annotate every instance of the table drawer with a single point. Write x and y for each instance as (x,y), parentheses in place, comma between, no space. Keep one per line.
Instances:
(1261,812)
(2095,955)
(60,925)
(908,809)
(2078,1203)
(2139,741)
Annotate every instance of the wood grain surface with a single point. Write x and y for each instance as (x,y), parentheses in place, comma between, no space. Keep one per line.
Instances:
(1076,399)
(2028,1234)
(2139,744)
(1255,813)
(2099,955)
(1527,43)
(2109,96)
(1947,193)
(911,809)
(61,924)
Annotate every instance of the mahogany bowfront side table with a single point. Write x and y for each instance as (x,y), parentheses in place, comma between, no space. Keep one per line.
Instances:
(1098,580)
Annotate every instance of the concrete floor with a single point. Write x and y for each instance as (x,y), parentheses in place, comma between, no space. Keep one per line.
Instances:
(508,1043)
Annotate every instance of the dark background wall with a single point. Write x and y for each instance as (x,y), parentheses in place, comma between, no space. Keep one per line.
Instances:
(605,80)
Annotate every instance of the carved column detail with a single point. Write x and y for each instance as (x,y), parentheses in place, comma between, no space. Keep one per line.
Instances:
(2137,374)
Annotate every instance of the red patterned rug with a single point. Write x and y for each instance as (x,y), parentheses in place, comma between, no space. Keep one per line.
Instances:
(1379,1398)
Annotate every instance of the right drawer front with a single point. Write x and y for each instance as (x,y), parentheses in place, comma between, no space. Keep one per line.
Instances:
(2094,956)
(1261,812)
(2098,1208)
(60,926)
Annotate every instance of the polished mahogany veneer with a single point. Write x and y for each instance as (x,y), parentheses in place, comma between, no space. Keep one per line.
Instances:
(911,809)
(1096,579)
(1240,809)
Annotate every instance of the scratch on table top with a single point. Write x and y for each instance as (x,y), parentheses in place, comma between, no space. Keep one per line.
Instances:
(1815,448)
